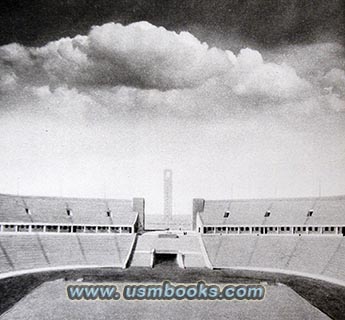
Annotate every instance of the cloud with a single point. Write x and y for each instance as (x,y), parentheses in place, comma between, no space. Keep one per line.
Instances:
(144,56)
(334,81)
(254,78)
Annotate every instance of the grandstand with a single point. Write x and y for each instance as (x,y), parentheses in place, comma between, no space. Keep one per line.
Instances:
(42,251)
(296,236)
(39,233)
(271,216)
(301,237)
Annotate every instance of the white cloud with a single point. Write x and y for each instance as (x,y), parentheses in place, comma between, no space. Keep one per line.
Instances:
(334,80)
(255,78)
(148,57)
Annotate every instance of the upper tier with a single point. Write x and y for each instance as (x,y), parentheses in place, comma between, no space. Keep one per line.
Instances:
(54,210)
(290,211)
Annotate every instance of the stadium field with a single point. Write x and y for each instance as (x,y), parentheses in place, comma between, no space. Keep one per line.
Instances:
(43,296)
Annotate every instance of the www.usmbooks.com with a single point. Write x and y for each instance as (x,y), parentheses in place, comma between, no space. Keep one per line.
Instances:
(166,291)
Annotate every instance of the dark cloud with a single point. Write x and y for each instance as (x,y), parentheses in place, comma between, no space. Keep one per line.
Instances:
(266,22)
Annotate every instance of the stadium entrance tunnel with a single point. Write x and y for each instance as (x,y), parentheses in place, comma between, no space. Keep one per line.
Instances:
(168,259)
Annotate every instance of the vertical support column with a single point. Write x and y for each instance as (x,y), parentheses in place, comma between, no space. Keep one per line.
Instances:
(152,260)
(1,227)
(15,228)
(198,206)
(139,206)
(44,228)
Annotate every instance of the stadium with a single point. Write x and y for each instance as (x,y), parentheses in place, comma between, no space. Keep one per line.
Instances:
(172,159)
(295,247)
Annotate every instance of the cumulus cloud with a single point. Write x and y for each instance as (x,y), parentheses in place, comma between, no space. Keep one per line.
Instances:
(139,55)
(255,78)
(144,56)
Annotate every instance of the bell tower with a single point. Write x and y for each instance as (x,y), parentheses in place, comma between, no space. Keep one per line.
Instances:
(167,195)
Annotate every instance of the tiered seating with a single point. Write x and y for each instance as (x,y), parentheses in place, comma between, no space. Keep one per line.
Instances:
(24,251)
(53,210)
(107,249)
(62,250)
(335,267)
(276,251)
(226,251)
(294,211)
(32,251)
(5,264)
(315,255)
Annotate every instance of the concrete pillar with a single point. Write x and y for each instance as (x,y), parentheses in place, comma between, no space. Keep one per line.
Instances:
(198,206)
(139,206)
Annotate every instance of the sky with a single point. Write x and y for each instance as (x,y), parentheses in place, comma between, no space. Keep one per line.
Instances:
(239,99)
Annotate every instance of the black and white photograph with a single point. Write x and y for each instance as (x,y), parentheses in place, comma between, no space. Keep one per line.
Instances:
(172,159)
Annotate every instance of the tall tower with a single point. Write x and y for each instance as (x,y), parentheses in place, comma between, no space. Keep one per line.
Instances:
(167,195)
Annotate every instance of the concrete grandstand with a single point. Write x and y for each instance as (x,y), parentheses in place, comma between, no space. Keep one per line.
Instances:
(304,236)
(295,237)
